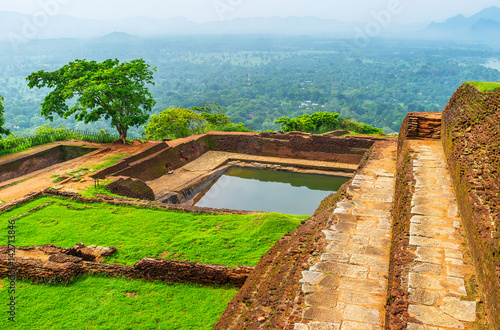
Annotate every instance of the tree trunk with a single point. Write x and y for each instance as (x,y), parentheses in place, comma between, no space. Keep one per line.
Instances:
(122,138)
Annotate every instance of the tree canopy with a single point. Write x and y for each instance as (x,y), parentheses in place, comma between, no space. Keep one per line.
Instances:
(174,123)
(318,122)
(321,122)
(2,119)
(109,90)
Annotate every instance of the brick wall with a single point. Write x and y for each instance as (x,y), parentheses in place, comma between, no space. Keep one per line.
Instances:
(471,139)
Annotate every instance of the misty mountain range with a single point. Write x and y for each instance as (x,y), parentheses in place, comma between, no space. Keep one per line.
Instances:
(15,26)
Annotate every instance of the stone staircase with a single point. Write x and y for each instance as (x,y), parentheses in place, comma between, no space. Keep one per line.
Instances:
(347,288)
(436,279)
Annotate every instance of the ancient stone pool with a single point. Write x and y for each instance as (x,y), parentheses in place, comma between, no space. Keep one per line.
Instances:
(253,189)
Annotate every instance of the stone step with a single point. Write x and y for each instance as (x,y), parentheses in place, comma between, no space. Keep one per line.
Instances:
(436,278)
(347,288)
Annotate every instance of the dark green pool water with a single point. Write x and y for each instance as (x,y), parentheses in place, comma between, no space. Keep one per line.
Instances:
(272,191)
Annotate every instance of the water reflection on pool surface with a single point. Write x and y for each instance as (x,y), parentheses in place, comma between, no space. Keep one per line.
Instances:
(271,191)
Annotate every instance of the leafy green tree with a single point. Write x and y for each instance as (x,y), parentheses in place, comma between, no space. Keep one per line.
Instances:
(109,90)
(3,130)
(318,122)
(361,128)
(214,115)
(174,123)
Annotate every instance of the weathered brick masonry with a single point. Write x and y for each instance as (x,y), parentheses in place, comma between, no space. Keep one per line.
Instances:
(471,140)
(65,265)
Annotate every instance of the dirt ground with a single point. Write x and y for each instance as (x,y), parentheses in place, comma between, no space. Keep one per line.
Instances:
(44,178)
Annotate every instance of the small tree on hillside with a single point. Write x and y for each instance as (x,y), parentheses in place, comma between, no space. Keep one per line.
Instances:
(3,130)
(109,90)
(214,115)
(318,122)
(174,123)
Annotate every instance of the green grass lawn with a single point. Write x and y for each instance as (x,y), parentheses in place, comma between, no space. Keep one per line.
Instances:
(115,303)
(95,302)
(137,233)
(485,86)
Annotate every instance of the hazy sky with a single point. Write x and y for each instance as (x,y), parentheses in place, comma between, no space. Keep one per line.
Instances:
(209,10)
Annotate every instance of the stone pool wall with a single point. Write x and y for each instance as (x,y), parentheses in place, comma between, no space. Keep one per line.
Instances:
(31,163)
(152,165)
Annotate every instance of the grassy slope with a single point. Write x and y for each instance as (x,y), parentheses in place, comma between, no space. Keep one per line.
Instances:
(230,240)
(485,86)
(103,303)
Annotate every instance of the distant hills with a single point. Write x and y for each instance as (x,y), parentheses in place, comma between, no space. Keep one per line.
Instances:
(25,26)
(16,26)
(483,25)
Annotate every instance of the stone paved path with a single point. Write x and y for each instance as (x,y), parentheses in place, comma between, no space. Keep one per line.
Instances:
(435,281)
(347,289)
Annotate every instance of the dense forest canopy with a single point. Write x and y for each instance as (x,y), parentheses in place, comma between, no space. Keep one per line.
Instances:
(260,79)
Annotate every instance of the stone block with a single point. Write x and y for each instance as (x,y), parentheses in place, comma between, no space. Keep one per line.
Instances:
(335,256)
(379,184)
(428,211)
(453,211)
(454,271)
(344,227)
(354,297)
(429,231)
(423,297)
(381,242)
(361,314)
(370,212)
(414,326)
(334,236)
(373,232)
(371,286)
(310,277)
(367,223)
(376,251)
(342,269)
(377,198)
(368,260)
(131,187)
(345,205)
(300,326)
(459,309)
(359,239)
(457,286)
(419,281)
(326,299)
(345,247)
(307,288)
(434,316)
(453,254)
(350,325)
(322,314)
(454,261)
(431,242)
(324,326)
(429,255)
(427,268)
(330,281)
